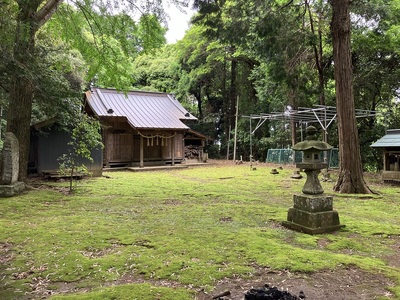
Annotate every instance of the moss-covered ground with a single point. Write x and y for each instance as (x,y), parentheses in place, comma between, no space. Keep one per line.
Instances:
(168,234)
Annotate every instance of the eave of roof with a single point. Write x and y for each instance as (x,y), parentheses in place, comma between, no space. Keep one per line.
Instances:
(199,135)
(391,139)
(44,123)
(143,110)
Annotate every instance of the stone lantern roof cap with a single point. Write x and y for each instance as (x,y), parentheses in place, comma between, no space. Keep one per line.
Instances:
(308,145)
(311,142)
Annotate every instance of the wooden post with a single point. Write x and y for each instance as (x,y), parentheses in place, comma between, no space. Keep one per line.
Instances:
(227,144)
(106,150)
(385,159)
(203,155)
(141,164)
(133,150)
(173,151)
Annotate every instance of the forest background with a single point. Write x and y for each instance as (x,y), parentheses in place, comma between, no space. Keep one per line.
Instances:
(269,54)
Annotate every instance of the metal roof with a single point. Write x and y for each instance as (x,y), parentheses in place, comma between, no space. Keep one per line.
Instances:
(143,110)
(391,139)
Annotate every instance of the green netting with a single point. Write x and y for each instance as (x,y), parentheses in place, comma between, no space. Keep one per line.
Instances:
(333,158)
(288,156)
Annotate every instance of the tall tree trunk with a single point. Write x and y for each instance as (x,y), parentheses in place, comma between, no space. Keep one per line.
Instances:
(21,87)
(318,51)
(350,178)
(30,19)
(198,95)
(19,118)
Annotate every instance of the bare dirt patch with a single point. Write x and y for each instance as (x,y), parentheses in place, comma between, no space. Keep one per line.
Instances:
(97,253)
(393,259)
(6,254)
(348,283)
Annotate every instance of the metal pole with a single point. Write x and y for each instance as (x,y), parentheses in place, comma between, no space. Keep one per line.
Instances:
(301,130)
(251,148)
(236,121)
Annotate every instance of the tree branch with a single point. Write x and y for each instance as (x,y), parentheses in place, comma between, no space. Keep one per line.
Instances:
(45,13)
(286,5)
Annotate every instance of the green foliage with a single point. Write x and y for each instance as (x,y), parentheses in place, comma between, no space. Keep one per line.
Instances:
(7,23)
(109,43)
(157,70)
(106,50)
(287,47)
(270,55)
(204,71)
(151,33)
(376,60)
(55,70)
(60,82)
(85,136)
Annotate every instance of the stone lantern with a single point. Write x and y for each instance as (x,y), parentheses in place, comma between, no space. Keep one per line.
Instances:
(312,211)
(313,160)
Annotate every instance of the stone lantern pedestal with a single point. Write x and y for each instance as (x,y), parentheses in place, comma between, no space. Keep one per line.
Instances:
(312,211)
(312,214)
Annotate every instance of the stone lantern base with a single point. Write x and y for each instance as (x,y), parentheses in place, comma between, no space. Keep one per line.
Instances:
(312,214)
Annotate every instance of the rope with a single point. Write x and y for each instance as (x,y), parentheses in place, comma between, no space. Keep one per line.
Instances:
(157,136)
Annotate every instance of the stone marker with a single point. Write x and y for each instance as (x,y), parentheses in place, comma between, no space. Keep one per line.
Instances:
(274,171)
(296,174)
(10,186)
(10,163)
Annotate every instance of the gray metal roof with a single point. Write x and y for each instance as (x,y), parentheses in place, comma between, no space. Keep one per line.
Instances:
(391,139)
(141,109)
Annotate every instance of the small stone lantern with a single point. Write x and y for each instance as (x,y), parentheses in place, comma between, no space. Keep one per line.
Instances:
(313,161)
(312,211)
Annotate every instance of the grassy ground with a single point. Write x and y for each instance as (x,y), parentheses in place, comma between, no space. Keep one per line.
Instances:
(171,234)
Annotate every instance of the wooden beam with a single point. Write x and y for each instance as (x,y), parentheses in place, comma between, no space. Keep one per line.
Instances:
(141,164)
(173,151)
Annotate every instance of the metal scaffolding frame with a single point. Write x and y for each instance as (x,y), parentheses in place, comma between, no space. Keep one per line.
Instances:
(321,114)
(324,115)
